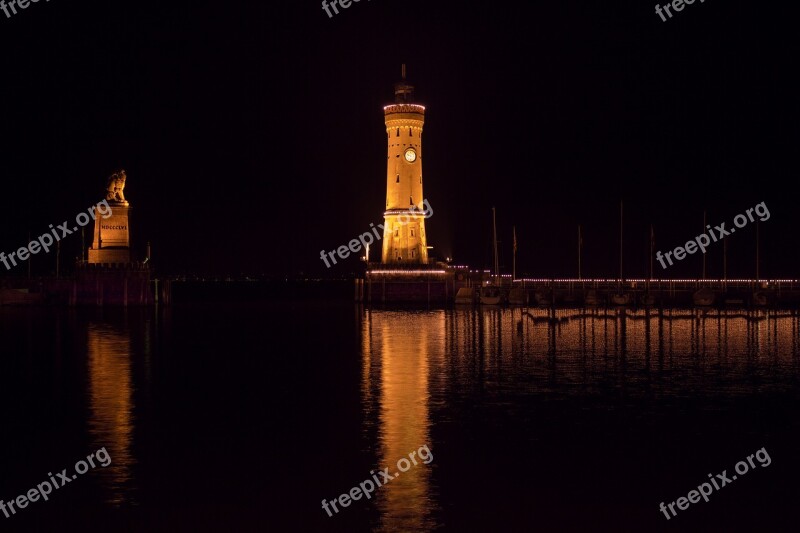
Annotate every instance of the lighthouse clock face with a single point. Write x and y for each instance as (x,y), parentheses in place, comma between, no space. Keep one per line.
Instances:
(411,155)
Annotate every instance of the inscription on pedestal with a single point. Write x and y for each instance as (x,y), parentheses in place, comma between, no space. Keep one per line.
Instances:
(111,243)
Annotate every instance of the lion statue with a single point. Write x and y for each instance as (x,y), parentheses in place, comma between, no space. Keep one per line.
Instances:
(116,186)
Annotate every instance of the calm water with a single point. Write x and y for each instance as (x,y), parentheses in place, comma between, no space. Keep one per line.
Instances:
(243,417)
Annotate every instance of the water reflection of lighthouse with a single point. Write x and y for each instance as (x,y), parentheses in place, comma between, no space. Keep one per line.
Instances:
(396,369)
(111,406)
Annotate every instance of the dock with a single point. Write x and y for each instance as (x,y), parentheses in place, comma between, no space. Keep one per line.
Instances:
(442,284)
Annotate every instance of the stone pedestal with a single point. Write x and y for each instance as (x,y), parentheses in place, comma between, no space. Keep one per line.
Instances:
(111,242)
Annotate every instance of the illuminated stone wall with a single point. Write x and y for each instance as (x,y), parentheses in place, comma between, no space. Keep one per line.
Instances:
(111,243)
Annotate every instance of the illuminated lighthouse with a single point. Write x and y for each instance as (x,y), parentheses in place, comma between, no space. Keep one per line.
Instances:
(404,222)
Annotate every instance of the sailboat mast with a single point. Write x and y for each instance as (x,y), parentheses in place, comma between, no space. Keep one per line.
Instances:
(579,251)
(494,239)
(620,241)
(704,255)
(725,263)
(514,260)
(652,248)
(758,273)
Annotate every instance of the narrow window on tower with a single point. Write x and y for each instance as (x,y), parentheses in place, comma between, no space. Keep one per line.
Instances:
(412,232)
(398,132)
(397,233)
(410,133)
(398,179)
(412,254)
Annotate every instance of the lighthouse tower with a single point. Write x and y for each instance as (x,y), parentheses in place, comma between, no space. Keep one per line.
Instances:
(404,222)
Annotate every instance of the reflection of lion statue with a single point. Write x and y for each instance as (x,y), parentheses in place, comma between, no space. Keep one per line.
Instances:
(116,184)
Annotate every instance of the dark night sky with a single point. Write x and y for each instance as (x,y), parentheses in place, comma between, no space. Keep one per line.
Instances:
(253,136)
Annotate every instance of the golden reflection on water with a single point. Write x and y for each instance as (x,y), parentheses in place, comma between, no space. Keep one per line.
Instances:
(111,404)
(680,351)
(399,350)
(416,364)
(693,349)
